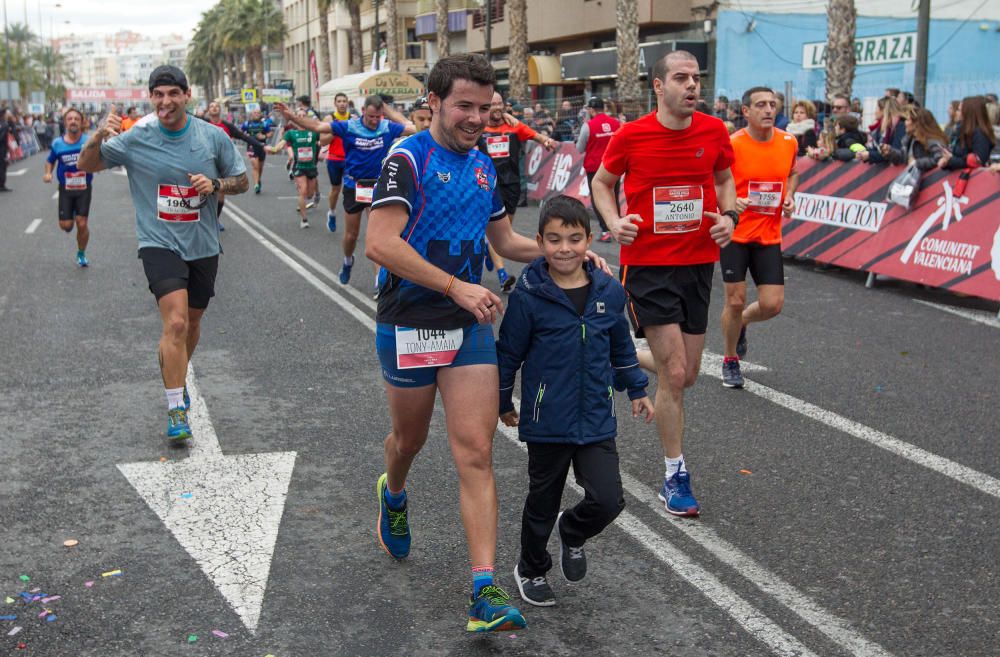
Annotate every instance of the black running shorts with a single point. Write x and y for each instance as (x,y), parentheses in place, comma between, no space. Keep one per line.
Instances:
(762,260)
(351,205)
(167,272)
(308,173)
(660,295)
(510,194)
(73,203)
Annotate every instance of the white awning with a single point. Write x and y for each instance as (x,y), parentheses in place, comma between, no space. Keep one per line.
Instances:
(401,86)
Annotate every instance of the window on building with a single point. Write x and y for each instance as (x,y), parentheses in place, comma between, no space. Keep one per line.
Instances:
(414,46)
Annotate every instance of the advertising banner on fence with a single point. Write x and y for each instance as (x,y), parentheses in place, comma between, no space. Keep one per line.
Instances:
(946,239)
(106,94)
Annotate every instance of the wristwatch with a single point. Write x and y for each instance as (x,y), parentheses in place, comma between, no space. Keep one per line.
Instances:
(216,185)
(734,215)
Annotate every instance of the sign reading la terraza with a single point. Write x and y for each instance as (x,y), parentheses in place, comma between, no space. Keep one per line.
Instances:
(881,49)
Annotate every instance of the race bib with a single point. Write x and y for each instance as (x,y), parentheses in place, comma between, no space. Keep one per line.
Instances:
(304,154)
(175,203)
(363,193)
(765,197)
(426,347)
(76,180)
(498,147)
(677,209)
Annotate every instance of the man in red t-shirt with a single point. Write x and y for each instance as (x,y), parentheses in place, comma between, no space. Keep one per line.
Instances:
(594,137)
(765,177)
(335,159)
(681,204)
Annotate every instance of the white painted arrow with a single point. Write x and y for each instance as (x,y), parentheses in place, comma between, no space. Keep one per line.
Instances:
(224,510)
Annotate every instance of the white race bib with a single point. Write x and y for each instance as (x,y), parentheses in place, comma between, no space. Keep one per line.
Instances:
(765,197)
(173,203)
(426,347)
(304,154)
(498,146)
(363,193)
(677,209)
(76,180)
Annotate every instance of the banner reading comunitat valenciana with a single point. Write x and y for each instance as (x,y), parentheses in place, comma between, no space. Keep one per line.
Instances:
(105,94)
(945,240)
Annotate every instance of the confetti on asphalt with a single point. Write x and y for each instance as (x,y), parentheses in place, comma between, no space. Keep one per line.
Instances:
(220,634)
(34,591)
(45,612)
(24,578)
(14,630)
(51,598)
(904,353)
(878,388)
(88,584)
(192,638)
(50,618)
(8,599)
(71,542)
(8,617)
(186,496)
(745,472)
(163,459)
(112,573)
(22,646)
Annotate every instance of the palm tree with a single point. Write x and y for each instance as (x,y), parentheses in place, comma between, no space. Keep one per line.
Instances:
(325,64)
(841,22)
(55,70)
(627,41)
(354,11)
(21,36)
(443,38)
(392,34)
(518,15)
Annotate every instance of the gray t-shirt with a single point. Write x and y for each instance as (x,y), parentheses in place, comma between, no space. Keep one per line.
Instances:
(166,206)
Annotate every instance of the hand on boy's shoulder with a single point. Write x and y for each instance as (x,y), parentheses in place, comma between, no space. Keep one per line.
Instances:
(510,418)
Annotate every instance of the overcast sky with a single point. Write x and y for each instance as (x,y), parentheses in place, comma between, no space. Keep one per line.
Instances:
(104,17)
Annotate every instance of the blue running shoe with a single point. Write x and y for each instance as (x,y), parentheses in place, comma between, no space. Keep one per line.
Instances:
(187,399)
(221,227)
(393,528)
(81,259)
(741,344)
(331,222)
(177,424)
(677,497)
(490,612)
(345,273)
(732,377)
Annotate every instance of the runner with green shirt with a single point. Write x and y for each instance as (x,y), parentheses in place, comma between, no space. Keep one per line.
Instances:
(304,146)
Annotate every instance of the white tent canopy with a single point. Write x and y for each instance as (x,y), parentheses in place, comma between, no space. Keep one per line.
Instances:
(401,86)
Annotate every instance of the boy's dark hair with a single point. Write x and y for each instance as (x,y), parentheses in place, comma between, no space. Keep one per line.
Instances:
(466,66)
(748,94)
(566,209)
(848,122)
(339,95)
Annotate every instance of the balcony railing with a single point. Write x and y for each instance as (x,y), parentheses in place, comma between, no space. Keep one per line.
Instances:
(496,14)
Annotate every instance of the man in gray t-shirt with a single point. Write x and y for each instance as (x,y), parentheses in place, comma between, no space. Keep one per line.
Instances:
(176,167)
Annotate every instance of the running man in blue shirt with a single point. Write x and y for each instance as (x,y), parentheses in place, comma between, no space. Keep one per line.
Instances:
(434,203)
(260,129)
(366,141)
(74,185)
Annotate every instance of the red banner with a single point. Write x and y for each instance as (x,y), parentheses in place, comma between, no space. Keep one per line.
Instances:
(105,94)
(945,240)
(314,75)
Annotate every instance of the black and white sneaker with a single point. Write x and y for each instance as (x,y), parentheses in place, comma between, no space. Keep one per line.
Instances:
(572,560)
(534,590)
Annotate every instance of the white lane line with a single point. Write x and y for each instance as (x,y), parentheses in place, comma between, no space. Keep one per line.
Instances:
(753,621)
(33,226)
(286,198)
(960,473)
(55,194)
(19,172)
(981,316)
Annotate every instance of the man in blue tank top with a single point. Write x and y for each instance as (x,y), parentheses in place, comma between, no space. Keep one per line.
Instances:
(74,185)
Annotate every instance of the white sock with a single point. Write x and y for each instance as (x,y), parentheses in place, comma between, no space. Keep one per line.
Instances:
(349,260)
(674,465)
(175,398)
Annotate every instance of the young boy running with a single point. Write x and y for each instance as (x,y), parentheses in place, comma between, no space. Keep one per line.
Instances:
(565,328)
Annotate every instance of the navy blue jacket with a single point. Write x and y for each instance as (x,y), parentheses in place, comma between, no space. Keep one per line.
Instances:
(570,364)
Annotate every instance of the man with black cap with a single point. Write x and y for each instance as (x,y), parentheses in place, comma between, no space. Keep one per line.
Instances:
(592,142)
(176,167)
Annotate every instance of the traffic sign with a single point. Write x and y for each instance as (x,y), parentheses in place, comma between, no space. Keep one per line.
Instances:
(249,95)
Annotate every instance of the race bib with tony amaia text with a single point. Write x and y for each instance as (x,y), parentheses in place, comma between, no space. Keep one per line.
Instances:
(76,180)
(765,197)
(498,146)
(426,347)
(677,209)
(178,203)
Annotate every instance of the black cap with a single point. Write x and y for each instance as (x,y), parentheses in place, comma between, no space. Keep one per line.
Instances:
(595,102)
(170,76)
(421,103)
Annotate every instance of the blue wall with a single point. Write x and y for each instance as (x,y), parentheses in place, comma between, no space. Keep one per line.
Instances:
(772,54)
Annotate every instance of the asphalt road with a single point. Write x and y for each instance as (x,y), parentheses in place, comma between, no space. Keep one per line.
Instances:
(850,494)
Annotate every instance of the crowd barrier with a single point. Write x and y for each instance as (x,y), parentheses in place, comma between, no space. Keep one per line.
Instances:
(21,144)
(945,239)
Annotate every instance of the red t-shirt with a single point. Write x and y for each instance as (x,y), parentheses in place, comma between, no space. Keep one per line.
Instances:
(336,147)
(670,183)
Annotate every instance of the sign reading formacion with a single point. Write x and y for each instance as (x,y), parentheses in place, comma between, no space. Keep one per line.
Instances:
(868,51)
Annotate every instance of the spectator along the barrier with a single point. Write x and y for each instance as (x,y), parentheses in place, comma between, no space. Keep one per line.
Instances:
(973,140)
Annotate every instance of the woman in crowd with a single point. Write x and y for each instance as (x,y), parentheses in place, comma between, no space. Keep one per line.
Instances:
(949,128)
(890,132)
(973,140)
(924,143)
(803,125)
